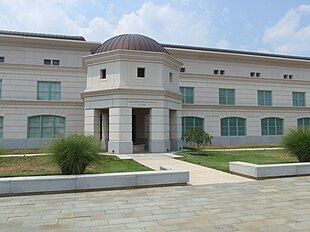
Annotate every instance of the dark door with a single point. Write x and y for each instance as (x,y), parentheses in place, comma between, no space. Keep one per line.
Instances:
(134,129)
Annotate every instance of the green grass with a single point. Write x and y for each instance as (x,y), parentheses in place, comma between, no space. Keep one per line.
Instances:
(220,160)
(44,165)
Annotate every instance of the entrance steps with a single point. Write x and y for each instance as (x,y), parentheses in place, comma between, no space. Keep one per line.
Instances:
(138,148)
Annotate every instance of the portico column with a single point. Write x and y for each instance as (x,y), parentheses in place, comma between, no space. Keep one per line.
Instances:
(159,140)
(176,130)
(92,122)
(105,129)
(120,130)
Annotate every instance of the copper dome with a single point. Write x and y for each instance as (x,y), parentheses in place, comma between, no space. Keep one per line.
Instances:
(131,42)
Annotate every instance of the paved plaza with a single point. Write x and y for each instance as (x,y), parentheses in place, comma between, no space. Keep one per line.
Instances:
(270,205)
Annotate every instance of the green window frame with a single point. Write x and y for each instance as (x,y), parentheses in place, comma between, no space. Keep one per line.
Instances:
(227,96)
(264,98)
(0,89)
(48,90)
(272,126)
(192,122)
(299,99)
(303,123)
(1,127)
(46,126)
(188,95)
(233,126)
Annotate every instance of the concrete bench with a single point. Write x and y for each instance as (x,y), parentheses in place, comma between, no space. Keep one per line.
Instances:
(269,170)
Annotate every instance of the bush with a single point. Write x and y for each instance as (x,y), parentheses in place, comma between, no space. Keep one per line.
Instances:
(74,152)
(1,151)
(198,137)
(297,142)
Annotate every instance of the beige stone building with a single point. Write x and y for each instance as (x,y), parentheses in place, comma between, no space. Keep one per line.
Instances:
(128,91)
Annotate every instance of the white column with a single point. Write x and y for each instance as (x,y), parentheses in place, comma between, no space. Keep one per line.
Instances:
(159,140)
(176,130)
(92,122)
(120,130)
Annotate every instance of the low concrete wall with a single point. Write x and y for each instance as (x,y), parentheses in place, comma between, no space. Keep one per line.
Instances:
(270,170)
(73,183)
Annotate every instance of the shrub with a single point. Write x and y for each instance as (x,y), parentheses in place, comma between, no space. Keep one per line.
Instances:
(1,151)
(198,137)
(297,142)
(74,152)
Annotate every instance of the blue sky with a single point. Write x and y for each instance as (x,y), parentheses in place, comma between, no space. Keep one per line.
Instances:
(257,25)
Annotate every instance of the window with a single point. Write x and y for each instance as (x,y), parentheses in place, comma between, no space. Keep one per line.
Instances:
(299,99)
(264,98)
(1,59)
(46,126)
(222,72)
(227,96)
(1,127)
(47,62)
(285,76)
(191,122)
(182,69)
(257,74)
(140,72)
(252,74)
(188,94)
(290,77)
(56,62)
(272,126)
(216,72)
(233,126)
(303,123)
(103,74)
(171,77)
(0,89)
(47,90)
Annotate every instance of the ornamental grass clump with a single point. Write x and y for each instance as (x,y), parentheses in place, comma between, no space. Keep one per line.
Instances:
(297,142)
(73,153)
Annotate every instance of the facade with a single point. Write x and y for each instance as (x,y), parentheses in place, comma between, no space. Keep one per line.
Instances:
(135,94)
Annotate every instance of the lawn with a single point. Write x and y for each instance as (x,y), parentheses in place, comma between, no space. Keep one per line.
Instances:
(44,165)
(220,159)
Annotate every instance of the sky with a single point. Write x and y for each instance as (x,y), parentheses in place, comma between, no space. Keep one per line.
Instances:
(273,26)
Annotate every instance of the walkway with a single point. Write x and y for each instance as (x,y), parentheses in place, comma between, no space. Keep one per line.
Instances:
(271,205)
(199,175)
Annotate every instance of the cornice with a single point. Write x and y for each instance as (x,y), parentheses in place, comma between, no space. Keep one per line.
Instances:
(237,78)
(147,92)
(244,107)
(40,102)
(129,55)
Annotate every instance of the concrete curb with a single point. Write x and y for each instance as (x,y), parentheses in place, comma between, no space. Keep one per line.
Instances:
(75,183)
(270,170)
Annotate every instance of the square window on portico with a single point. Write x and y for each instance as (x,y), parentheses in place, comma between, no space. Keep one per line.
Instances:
(103,74)
(141,72)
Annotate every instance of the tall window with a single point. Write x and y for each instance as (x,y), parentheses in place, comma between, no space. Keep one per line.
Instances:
(303,123)
(272,126)
(103,74)
(227,96)
(188,94)
(141,72)
(0,89)
(191,122)
(264,98)
(299,99)
(1,127)
(233,126)
(47,90)
(46,126)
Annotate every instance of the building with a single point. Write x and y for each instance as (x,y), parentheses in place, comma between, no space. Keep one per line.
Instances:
(128,91)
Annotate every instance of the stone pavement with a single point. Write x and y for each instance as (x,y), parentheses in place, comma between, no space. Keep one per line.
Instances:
(199,175)
(269,205)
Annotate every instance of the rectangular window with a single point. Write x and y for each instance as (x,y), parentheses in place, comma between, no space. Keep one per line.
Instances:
(103,74)
(141,72)
(272,126)
(252,74)
(182,69)
(171,77)
(216,72)
(56,62)
(290,77)
(1,59)
(46,126)
(285,76)
(188,94)
(227,96)
(299,99)
(0,89)
(47,90)
(47,62)
(264,98)
(222,72)
(257,74)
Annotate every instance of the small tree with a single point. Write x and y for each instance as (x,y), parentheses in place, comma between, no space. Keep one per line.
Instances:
(198,137)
